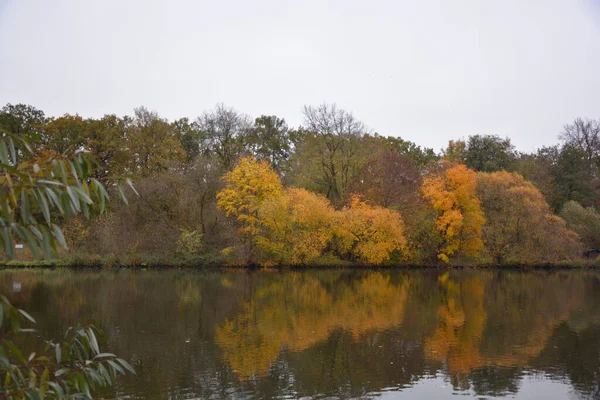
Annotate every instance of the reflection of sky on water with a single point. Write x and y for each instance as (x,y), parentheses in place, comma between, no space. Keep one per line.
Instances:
(531,388)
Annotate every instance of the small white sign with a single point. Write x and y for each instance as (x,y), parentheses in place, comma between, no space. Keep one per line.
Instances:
(18,246)
(17,287)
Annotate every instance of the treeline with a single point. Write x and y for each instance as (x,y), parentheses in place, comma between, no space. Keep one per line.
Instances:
(228,188)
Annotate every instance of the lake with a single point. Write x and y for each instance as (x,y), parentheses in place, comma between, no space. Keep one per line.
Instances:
(406,334)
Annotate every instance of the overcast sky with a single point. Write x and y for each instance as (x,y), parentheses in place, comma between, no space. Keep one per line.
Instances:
(424,70)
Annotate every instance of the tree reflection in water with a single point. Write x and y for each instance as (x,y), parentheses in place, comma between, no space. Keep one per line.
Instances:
(328,332)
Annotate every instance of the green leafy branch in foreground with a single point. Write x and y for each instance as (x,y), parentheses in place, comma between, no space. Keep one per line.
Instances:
(37,189)
(73,368)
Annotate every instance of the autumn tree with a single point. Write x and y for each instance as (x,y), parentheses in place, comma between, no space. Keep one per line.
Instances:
(370,234)
(224,133)
(295,227)
(520,226)
(388,179)
(455,152)
(106,140)
(453,195)
(329,151)
(247,186)
(153,143)
(64,135)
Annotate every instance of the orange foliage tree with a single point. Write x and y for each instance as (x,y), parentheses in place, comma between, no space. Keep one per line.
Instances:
(246,186)
(369,233)
(296,227)
(460,218)
(520,226)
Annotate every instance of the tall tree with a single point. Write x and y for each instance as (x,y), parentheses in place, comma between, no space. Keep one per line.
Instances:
(489,153)
(520,226)
(106,140)
(190,137)
(421,156)
(64,135)
(455,152)
(22,120)
(388,179)
(225,133)
(269,140)
(453,195)
(246,187)
(329,150)
(585,135)
(154,143)
(573,177)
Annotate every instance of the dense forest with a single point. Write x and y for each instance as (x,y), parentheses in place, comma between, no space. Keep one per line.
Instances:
(228,189)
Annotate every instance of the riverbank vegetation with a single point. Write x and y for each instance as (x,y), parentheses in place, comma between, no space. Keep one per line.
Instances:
(226,189)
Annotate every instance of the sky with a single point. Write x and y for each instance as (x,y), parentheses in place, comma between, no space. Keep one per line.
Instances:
(427,71)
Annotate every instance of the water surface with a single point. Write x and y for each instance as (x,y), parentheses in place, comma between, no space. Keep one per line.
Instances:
(332,333)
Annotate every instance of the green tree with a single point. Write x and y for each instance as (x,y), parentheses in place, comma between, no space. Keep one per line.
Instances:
(583,220)
(64,135)
(585,136)
(421,156)
(106,140)
(190,137)
(269,140)
(573,179)
(489,153)
(23,121)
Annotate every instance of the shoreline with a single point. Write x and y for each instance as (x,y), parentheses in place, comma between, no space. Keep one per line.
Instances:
(58,264)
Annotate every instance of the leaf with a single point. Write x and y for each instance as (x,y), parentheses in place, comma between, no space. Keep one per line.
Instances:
(116,366)
(26,315)
(43,202)
(57,389)
(61,371)
(17,353)
(25,210)
(4,153)
(74,198)
(58,234)
(93,341)
(58,353)
(126,365)
(104,355)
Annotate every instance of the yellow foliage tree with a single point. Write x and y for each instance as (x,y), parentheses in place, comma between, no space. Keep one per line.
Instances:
(369,233)
(453,194)
(520,226)
(246,187)
(296,227)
